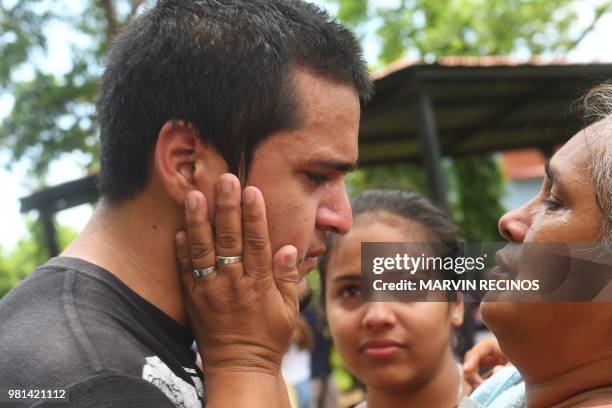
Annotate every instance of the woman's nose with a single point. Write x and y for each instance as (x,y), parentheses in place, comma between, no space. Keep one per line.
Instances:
(379,315)
(513,225)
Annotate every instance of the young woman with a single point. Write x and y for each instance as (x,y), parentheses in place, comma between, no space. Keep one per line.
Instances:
(401,351)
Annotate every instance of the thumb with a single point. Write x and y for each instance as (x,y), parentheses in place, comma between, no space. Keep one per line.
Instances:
(470,369)
(286,275)
(470,362)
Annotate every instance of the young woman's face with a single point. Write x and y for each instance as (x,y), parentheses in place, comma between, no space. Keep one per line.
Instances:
(385,344)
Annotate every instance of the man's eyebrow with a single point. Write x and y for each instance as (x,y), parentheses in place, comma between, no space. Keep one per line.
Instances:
(347,277)
(341,166)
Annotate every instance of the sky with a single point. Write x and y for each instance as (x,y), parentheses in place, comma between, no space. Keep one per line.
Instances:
(594,48)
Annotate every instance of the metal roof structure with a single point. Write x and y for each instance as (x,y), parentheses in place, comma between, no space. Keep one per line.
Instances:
(422,113)
(470,105)
(57,198)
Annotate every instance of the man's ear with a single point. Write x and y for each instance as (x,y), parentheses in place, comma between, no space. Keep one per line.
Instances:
(177,152)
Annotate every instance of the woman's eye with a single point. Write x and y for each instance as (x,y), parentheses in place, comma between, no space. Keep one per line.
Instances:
(551,205)
(350,291)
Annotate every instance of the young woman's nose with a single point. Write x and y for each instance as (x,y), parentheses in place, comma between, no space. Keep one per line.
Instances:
(379,315)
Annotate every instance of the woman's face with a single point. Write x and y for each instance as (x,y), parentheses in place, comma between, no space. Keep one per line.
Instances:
(385,344)
(564,211)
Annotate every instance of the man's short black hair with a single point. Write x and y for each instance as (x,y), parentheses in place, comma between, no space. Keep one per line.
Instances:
(224,67)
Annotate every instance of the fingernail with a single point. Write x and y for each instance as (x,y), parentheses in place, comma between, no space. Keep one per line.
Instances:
(249,196)
(225,184)
(192,202)
(290,260)
(180,239)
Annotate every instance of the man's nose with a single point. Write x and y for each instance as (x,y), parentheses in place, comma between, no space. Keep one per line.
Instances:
(513,225)
(335,214)
(379,315)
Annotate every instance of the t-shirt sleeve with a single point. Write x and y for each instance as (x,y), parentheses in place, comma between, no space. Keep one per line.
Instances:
(113,391)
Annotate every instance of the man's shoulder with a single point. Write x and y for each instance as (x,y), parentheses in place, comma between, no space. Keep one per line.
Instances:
(71,325)
(118,390)
(33,310)
(104,389)
(44,329)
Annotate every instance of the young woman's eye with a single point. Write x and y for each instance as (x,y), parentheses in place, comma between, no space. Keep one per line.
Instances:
(350,291)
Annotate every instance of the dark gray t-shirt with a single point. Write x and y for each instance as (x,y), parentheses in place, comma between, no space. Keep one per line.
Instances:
(73,326)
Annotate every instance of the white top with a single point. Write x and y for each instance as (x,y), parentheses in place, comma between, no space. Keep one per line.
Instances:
(296,364)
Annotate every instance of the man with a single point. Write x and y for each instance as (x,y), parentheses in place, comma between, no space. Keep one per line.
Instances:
(197,98)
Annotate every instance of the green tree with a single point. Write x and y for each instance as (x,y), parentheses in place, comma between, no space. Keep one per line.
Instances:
(53,113)
(429,29)
(28,253)
(433,28)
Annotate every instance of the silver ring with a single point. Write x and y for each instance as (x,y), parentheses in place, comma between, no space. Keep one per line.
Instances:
(202,273)
(228,260)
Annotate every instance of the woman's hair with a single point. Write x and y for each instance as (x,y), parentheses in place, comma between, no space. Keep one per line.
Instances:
(597,105)
(409,206)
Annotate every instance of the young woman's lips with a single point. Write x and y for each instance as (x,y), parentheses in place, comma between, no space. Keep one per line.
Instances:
(381,348)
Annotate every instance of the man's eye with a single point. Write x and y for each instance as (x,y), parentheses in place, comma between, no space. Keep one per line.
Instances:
(349,292)
(317,178)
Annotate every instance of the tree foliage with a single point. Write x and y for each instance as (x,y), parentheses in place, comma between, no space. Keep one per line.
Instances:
(53,113)
(434,28)
(28,254)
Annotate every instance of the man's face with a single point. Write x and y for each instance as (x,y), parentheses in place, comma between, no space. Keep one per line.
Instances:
(301,171)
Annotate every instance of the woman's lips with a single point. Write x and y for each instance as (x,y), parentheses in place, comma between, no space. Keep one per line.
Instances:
(498,273)
(381,348)
(382,352)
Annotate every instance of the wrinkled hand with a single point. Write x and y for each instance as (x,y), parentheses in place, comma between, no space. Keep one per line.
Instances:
(486,354)
(243,314)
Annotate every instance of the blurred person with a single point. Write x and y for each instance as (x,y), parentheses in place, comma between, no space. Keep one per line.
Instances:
(297,363)
(199,99)
(324,390)
(483,360)
(401,351)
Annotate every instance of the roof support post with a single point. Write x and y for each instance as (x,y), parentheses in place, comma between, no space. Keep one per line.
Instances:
(46,217)
(430,143)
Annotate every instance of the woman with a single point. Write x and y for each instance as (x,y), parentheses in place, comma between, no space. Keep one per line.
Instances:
(562,350)
(401,351)
(296,364)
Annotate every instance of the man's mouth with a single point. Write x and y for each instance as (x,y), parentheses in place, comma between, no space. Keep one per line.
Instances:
(311,259)
(310,262)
